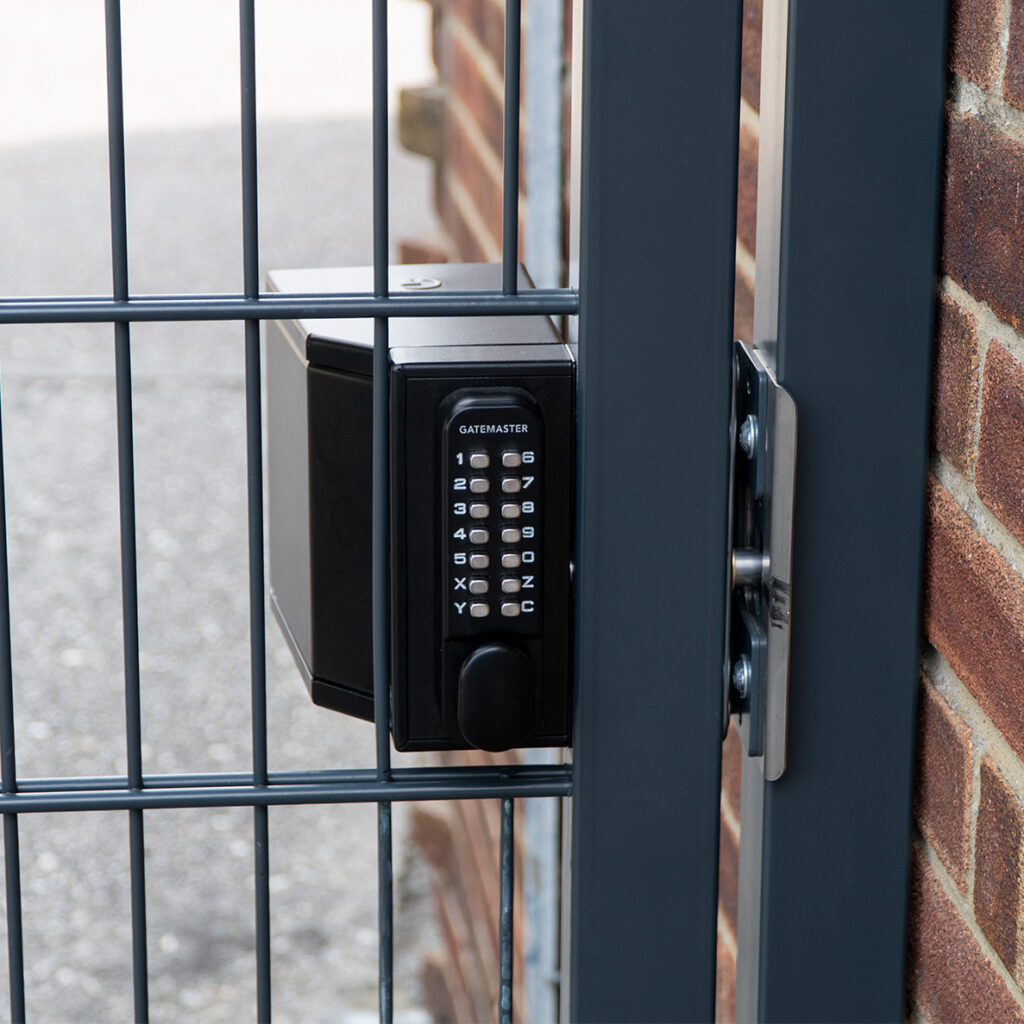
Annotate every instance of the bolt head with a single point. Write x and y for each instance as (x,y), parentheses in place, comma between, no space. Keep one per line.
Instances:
(742,672)
(748,436)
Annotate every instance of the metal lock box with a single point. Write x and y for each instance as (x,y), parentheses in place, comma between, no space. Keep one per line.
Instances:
(481,493)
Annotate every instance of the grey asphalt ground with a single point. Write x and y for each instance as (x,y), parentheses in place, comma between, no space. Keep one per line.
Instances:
(59,440)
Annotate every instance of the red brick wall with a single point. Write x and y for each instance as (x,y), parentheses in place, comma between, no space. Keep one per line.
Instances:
(966,955)
(469,51)
(461,842)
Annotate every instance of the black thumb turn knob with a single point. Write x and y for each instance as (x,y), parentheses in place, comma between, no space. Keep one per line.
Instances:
(497,697)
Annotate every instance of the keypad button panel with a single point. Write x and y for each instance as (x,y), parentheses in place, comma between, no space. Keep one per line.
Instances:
(493,448)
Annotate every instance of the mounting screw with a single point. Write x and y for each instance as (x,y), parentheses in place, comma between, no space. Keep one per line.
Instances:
(741,676)
(748,436)
(420,284)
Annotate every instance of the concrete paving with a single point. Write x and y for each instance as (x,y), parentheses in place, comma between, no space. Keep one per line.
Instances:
(61,475)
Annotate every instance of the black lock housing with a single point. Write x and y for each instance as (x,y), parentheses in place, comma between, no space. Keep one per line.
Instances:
(481,487)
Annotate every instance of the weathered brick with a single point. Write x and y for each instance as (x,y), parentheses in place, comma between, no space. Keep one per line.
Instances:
(983,215)
(464,241)
(725,984)
(942,794)
(485,19)
(974,614)
(728,875)
(746,192)
(955,384)
(743,309)
(465,163)
(974,40)
(431,831)
(1013,80)
(997,865)
(949,978)
(438,996)
(1000,471)
(422,250)
(750,77)
(468,82)
(732,766)
(421,116)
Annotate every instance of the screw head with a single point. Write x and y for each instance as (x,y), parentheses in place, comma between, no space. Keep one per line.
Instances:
(748,436)
(742,673)
(420,284)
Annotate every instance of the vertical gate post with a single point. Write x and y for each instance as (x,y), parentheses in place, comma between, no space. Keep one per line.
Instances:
(851,127)
(657,236)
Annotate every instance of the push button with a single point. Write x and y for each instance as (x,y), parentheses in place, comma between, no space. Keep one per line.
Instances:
(480,609)
(479,560)
(510,609)
(480,484)
(510,510)
(511,460)
(478,510)
(478,585)
(479,460)
(510,535)
(511,560)
(509,585)
(510,485)
(478,535)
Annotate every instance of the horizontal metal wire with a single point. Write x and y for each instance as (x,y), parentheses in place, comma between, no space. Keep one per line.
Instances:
(276,305)
(330,787)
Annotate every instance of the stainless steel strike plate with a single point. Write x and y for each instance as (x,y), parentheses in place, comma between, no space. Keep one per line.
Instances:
(761,559)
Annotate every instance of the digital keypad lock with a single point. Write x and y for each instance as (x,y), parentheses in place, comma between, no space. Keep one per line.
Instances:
(493,453)
(481,495)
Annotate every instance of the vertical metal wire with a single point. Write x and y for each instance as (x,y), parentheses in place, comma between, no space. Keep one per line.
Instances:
(254,454)
(381,658)
(509,284)
(126,488)
(508,880)
(510,152)
(9,774)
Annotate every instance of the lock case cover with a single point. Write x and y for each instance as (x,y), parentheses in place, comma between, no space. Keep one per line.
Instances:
(458,386)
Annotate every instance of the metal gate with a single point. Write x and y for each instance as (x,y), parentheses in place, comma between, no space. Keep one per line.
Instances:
(653,296)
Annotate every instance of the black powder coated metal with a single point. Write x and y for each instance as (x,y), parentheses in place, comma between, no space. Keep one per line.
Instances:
(318,386)
(126,489)
(510,150)
(656,291)
(507,873)
(856,299)
(172,308)
(8,766)
(380,590)
(254,479)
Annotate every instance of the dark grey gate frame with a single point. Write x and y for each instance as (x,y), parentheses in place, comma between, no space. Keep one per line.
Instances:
(848,201)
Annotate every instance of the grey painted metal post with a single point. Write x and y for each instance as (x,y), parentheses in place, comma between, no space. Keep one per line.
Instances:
(659,141)
(846,253)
